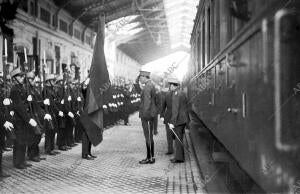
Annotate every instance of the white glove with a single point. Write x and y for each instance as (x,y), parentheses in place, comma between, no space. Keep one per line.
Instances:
(47,102)
(69,98)
(87,81)
(78,99)
(32,122)
(60,113)
(104,106)
(6,102)
(29,98)
(8,125)
(78,113)
(62,101)
(47,117)
(171,126)
(162,118)
(71,114)
(12,113)
(114,96)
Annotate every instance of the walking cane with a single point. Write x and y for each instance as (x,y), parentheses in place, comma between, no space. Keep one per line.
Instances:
(185,147)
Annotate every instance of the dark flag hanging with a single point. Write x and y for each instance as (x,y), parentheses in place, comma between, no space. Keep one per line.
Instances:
(92,116)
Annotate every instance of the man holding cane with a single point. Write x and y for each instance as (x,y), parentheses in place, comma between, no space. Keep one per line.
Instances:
(179,119)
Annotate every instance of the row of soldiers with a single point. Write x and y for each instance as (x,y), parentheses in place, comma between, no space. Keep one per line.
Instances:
(32,109)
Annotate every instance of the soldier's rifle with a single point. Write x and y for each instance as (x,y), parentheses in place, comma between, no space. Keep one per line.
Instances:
(51,125)
(79,103)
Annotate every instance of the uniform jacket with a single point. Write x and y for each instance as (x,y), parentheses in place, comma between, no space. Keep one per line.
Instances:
(166,106)
(49,93)
(21,117)
(179,109)
(148,108)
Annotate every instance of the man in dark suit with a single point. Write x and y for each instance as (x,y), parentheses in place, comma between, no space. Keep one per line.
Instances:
(179,118)
(147,112)
(165,114)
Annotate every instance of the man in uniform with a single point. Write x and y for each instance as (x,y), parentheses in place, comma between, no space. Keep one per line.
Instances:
(51,111)
(70,111)
(78,106)
(147,112)
(22,120)
(61,118)
(34,100)
(5,122)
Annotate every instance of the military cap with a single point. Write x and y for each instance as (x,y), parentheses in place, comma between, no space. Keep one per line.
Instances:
(30,74)
(173,80)
(49,77)
(8,77)
(59,78)
(16,72)
(144,73)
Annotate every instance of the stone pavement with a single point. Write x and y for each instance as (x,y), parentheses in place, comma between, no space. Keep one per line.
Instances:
(115,170)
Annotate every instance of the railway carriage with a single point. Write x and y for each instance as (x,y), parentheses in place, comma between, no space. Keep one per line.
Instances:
(245,85)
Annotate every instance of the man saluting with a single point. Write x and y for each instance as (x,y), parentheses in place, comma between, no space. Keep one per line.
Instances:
(147,113)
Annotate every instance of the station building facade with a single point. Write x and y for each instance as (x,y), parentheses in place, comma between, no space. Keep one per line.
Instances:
(53,37)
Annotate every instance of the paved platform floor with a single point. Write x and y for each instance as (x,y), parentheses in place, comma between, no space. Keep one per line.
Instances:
(115,170)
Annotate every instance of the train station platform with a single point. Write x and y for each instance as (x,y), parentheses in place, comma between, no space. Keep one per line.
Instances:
(115,170)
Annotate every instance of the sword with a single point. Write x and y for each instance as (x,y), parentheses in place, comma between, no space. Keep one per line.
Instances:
(184,146)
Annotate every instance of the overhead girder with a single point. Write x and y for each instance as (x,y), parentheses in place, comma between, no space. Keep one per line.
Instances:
(111,15)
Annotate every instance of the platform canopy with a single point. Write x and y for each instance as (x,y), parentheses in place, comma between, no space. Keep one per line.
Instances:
(144,29)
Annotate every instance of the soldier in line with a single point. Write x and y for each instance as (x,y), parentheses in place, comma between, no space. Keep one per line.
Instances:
(61,120)
(51,110)
(78,106)
(70,112)
(34,100)
(22,120)
(5,122)
(147,112)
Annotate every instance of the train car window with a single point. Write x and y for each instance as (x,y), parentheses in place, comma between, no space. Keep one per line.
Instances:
(287,71)
(216,27)
(198,47)
(203,45)
(23,4)
(239,10)
(208,37)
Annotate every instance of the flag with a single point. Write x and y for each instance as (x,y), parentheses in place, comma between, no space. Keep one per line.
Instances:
(92,116)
